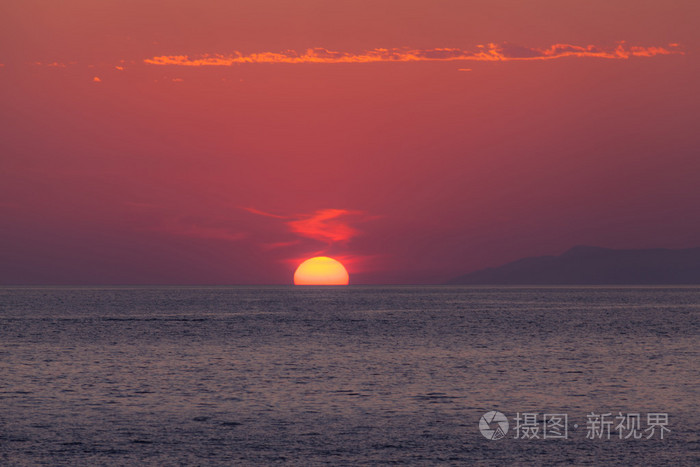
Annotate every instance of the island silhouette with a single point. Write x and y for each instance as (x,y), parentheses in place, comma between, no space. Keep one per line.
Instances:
(590,265)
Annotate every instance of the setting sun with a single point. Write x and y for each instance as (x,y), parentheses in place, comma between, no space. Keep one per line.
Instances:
(321,270)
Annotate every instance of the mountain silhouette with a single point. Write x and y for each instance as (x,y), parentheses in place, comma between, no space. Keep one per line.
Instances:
(588,265)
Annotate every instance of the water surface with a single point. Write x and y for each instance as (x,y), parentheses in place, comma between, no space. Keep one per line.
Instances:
(313,376)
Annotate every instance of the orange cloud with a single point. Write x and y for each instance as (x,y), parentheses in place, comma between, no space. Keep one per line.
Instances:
(489,53)
(325,225)
(329,226)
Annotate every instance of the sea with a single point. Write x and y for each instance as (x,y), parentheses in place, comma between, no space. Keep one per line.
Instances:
(356,375)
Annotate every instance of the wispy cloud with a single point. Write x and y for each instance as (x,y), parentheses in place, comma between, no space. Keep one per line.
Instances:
(325,225)
(263,213)
(330,230)
(54,64)
(488,53)
(153,217)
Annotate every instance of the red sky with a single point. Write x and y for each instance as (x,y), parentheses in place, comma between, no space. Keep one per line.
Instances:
(220,142)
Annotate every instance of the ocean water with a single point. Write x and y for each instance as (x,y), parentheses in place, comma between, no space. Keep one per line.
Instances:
(342,376)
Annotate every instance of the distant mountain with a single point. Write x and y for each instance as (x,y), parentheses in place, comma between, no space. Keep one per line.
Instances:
(594,265)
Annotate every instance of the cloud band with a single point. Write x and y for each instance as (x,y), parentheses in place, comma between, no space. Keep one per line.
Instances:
(486,53)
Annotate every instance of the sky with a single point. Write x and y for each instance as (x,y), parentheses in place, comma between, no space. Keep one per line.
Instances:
(224,142)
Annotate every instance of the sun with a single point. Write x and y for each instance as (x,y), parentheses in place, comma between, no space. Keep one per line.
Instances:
(321,270)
